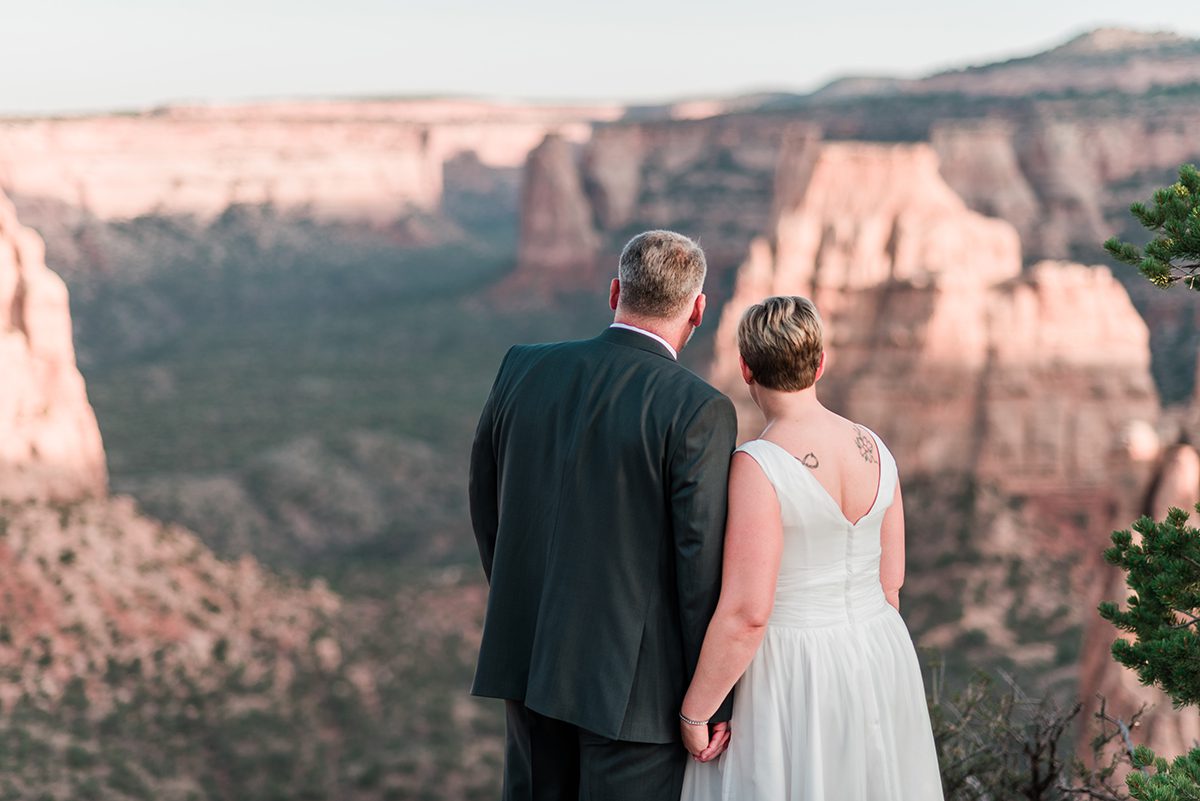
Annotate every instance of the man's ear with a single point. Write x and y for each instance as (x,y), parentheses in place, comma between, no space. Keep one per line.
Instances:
(820,368)
(747,376)
(614,293)
(698,308)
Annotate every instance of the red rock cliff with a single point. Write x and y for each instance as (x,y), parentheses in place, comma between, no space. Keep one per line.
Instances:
(1006,395)
(49,440)
(927,308)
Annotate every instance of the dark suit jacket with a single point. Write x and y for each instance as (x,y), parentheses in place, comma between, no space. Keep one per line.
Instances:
(598,495)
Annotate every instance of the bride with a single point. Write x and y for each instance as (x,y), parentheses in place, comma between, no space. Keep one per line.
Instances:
(829,703)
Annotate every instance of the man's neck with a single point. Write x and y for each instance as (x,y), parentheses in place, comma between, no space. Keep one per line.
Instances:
(656,329)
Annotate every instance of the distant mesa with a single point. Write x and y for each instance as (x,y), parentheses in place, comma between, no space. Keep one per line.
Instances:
(1105,59)
(335,163)
(859,86)
(1109,40)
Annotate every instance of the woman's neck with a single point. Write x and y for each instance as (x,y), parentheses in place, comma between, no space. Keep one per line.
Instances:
(788,407)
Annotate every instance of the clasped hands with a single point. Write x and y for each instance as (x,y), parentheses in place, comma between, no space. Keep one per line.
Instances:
(705,743)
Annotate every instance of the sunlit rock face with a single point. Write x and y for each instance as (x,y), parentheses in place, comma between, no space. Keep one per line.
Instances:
(50,445)
(965,362)
(375,164)
(1011,398)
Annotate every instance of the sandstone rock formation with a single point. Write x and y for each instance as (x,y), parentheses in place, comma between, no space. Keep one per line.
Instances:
(710,179)
(337,163)
(1058,144)
(1006,395)
(558,245)
(49,440)
(349,161)
(1063,178)
(926,303)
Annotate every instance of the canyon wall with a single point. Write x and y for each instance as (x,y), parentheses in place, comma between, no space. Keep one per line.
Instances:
(1065,181)
(1057,143)
(1062,175)
(49,440)
(1033,373)
(1016,402)
(710,179)
(335,163)
(87,585)
(347,161)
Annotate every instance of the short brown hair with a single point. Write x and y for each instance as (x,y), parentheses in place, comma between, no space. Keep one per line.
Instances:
(781,340)
(660,272)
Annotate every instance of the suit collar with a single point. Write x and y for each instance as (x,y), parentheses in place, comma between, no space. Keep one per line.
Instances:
(633,339)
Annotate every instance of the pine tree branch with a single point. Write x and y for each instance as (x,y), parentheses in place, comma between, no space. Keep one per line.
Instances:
(1191,621)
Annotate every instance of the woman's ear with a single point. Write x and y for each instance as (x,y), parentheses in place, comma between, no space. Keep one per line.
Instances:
(747,376)
(820,368)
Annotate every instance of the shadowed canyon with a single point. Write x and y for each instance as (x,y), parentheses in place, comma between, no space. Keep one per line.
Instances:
(248,529)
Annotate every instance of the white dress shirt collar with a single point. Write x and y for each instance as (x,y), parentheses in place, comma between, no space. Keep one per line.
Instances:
(650,334)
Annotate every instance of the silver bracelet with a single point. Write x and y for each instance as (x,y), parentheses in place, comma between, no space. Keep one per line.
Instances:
(691,722)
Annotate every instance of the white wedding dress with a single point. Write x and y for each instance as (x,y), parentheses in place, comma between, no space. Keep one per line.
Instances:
(832,707)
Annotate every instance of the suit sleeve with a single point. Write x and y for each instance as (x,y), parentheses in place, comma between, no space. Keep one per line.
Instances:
(483,484)
(699,482)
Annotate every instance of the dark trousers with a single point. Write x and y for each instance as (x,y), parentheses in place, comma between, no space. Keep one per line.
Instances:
(549,760)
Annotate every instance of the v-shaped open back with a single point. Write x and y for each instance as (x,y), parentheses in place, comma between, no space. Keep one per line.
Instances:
(803,468)
(830,565)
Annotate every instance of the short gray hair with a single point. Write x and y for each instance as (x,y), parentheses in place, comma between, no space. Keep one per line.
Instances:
(660,271)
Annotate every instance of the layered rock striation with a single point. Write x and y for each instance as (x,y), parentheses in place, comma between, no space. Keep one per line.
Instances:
(710,179)
(1007,395)
(1063,178)
(339,161)
(373,164)
(1032,374)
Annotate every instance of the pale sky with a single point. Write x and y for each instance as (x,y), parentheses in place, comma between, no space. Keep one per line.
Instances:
(76,55)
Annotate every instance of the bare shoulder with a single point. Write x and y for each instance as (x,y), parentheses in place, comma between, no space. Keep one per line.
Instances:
(864,443)
(749,480)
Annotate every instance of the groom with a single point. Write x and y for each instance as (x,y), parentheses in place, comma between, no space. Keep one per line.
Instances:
(598,483)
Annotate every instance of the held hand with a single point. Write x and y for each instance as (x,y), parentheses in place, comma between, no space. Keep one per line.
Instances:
(695,738)
(702,744)
(717,743)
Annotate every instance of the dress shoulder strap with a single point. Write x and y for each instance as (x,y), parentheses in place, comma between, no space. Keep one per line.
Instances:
(767,457)
(888,472)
